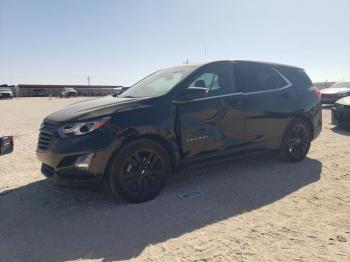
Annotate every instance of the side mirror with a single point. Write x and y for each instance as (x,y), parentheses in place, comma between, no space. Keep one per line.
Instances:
(194,93)
(119,90)
(6,145)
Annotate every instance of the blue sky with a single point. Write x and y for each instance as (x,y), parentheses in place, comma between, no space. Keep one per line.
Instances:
(119,42)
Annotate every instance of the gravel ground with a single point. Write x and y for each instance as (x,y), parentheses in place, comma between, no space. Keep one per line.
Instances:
(252,209)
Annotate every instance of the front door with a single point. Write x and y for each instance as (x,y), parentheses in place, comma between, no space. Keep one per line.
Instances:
(215,122)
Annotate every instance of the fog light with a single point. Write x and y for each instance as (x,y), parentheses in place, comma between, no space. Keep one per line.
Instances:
(83,162)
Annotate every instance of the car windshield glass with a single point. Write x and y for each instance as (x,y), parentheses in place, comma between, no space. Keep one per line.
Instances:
(341,84)
(159,83)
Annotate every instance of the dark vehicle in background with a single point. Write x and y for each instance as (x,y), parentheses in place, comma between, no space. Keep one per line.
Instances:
(341,112)
(69,92)
(6,145)
(6,93)
(177,117)
(38,92)
(119,90)
(335,92)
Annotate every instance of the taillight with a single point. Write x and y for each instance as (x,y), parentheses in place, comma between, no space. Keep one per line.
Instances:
(316,91)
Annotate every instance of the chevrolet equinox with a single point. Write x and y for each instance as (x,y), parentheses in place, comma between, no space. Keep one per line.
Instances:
(178,116)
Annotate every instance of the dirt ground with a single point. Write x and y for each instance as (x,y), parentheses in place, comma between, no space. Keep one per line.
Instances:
(252,209)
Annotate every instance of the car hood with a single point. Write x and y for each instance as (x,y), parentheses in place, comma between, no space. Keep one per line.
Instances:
(335,90)
(95,107)
(344,101)
(5,92)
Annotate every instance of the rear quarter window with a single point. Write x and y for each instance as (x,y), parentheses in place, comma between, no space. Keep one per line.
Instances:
(296,76)
(260,77)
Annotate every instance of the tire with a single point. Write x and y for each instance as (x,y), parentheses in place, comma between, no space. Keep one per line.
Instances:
(139,172)
(296,141)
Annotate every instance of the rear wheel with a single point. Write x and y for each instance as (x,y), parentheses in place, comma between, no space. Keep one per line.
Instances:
(139,171)
(296,141)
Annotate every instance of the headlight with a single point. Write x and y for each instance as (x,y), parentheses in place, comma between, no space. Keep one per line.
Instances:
(77,129)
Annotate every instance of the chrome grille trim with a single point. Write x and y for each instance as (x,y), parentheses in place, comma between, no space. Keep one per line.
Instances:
(46,135)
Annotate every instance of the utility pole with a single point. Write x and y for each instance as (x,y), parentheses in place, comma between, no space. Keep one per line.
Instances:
(88,79)
(10,70)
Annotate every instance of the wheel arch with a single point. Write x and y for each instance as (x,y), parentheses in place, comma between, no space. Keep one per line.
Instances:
(171,148)
(307,120)
(298,116)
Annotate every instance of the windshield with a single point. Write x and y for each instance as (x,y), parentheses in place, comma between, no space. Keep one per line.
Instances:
(5,90)
(341,84)
(159,83)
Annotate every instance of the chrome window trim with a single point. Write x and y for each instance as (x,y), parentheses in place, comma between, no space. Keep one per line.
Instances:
(206,98)
(289,84)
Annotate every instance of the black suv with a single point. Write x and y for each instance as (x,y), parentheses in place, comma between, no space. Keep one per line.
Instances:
(178,116)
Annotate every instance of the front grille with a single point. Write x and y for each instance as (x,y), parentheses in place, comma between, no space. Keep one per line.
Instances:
(46,135)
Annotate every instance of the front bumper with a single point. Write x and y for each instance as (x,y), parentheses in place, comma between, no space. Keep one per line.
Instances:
(6,95)
(59,156)
(62,169)
(73,178)
(340,116)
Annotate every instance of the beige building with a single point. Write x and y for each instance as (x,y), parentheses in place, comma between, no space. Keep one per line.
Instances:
(56,90)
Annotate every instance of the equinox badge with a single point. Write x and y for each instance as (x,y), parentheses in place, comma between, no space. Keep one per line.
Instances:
(198,138)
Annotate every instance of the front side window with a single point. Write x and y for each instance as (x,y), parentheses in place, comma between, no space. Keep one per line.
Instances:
(260,77)
(159,83)
(217,79)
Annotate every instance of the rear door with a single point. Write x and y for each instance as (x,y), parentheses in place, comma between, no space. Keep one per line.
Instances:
(270,101)
(215,122)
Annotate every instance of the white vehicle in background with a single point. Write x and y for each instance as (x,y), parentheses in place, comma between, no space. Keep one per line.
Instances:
(6,93)
(69,92)
(337,91)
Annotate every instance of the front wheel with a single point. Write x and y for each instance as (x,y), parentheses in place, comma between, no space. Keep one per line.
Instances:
(296,141)
(139,171)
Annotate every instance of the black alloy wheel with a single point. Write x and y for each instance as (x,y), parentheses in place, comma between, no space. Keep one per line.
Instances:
(140,171)
(296,142)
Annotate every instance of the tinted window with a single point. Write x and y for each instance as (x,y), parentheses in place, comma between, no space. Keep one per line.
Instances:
(297,76)
(260,77)
(216,78)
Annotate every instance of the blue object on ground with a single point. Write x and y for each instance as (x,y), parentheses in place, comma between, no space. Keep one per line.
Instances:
(190,195)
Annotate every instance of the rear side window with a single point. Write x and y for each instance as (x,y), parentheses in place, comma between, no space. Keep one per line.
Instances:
(297,76)
(260,77)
